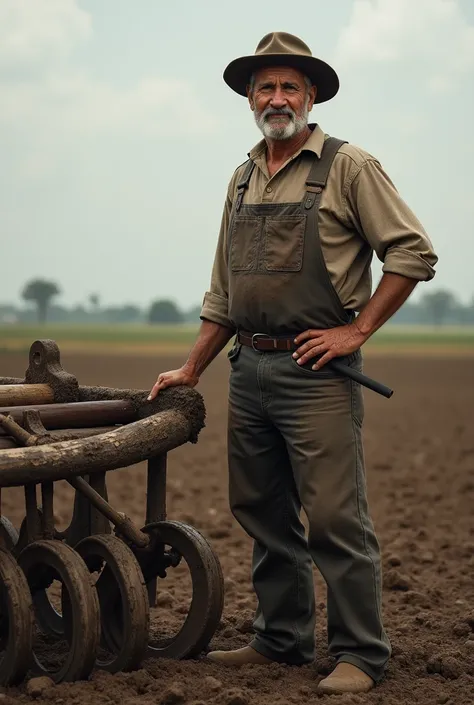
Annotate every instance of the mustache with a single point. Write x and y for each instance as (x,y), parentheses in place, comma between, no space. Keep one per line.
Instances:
(268,112)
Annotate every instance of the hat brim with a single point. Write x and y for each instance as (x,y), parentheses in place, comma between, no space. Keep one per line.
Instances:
(238,72)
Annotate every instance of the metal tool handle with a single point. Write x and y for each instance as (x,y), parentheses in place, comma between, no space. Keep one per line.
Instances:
(361,378)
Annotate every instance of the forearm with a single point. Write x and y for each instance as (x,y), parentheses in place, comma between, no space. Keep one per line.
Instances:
(392,291)
(212,338)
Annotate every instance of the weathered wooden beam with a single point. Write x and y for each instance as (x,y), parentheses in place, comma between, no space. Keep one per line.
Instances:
(78,414)
(21,394)
(125,446)
(66,434)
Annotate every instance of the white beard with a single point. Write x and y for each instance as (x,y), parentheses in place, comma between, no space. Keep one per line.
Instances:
(282,131)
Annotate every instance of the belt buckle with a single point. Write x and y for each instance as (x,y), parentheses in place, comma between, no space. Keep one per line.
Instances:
(258,335)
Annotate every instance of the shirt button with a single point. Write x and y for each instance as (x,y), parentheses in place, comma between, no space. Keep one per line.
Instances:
(268,189)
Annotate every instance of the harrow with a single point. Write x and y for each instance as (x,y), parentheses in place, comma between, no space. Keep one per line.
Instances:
(79,599)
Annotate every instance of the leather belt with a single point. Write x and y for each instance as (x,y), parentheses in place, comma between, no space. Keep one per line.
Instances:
(263,342)
(341,365)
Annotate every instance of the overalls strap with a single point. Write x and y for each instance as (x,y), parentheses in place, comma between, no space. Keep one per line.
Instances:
(318,175)
(244,183)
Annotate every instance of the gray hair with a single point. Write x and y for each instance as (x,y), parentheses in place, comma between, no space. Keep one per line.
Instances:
(308,82)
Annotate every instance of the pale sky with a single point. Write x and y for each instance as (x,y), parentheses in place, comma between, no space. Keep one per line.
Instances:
(118,135)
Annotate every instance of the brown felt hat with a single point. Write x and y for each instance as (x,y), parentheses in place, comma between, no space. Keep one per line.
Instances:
(282,49)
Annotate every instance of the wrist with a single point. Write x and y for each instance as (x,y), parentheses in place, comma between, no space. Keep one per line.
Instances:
(190,369)
(364,328)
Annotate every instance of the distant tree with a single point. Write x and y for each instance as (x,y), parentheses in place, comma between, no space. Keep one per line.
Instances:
(94,301)
(164,311)
(40,292)
(439,305)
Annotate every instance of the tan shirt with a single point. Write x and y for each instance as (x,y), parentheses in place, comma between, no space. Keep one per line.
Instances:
(361,212)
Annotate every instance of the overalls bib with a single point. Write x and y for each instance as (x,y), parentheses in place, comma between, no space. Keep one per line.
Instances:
(278,280)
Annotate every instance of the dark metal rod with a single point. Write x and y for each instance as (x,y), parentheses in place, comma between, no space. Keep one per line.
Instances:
(98,522)
(156,489)
(32,518)
(123,524)
(362,379)
(47,491)
(155,504)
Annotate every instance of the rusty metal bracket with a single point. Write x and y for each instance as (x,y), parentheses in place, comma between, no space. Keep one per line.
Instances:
(45,368)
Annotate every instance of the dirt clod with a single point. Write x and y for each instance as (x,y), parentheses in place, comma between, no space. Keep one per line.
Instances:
(173,695)
(164,599)
(461,629)
(212,684)
(446,666)
(36,686)
(394,580)
(235,697)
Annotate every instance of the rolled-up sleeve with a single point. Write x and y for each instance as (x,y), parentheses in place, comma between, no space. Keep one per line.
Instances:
(375,208)
(215,305)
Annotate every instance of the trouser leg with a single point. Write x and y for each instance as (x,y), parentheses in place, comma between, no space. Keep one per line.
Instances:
(320,419)
(265,501)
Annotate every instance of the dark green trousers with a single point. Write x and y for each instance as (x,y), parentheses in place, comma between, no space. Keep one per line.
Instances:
(294,441)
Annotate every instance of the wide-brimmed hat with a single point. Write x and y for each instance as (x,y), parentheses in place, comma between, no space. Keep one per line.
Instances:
(283,49)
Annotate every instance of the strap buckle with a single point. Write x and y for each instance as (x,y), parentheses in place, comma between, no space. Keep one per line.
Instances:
(258,335)
(240,196)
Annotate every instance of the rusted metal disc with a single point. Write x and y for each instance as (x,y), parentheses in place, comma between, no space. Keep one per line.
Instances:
(48,618)
(173,542)
(74,657)
(16,622)
(123,599)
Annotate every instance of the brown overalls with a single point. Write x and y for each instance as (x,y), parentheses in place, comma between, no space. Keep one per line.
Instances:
(294,440)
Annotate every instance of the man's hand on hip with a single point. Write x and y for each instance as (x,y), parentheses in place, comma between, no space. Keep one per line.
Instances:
(333,342)
(173,378)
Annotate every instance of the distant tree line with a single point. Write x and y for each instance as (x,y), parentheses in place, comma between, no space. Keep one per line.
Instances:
(436,307)
(40,298)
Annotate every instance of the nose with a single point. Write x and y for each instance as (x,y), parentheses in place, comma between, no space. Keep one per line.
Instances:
(278,99)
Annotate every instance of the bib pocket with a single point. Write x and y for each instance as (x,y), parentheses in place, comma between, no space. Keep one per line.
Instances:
(244,239)
(284,243)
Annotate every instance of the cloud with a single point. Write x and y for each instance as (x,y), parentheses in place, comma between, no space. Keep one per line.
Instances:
(432,35)
(48,102)
(75,103)
(40,30)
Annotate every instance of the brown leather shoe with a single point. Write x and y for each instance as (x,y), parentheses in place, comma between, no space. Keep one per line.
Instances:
(239,657)
(346,678)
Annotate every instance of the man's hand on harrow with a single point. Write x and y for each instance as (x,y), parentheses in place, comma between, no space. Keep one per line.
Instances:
(173,378)
(330,343)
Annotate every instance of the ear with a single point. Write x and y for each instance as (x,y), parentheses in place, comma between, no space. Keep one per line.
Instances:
(250,98)
(312,97)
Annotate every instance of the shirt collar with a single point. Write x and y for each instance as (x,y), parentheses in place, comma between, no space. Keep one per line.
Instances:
(314,143)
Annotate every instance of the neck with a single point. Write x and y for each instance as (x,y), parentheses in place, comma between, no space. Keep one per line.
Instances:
(278,151)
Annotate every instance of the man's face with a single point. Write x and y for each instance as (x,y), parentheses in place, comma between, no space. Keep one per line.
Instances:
(281,101)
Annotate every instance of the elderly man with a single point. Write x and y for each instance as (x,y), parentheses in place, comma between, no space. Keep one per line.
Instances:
(302,219)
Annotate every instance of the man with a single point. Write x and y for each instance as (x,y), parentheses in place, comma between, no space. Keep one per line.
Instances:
(301,221)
